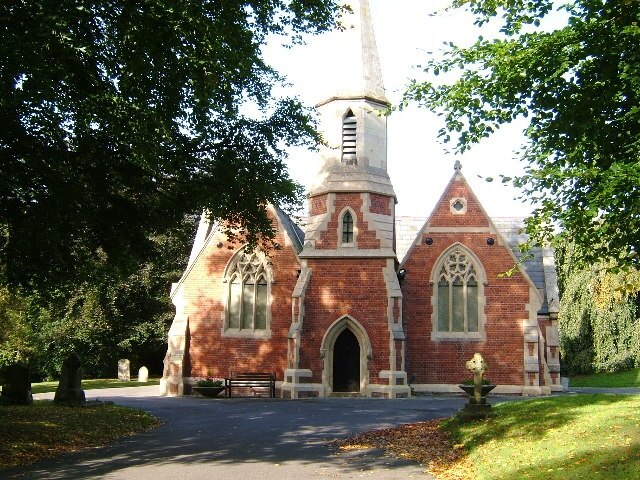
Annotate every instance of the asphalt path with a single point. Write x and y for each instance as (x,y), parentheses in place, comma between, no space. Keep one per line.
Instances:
(245,438)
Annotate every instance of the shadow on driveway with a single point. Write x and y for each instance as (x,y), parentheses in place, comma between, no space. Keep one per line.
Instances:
(245,438)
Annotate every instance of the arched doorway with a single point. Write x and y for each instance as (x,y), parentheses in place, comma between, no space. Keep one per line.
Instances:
(346,362)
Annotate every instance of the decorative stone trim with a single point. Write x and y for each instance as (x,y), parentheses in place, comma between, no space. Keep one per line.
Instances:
(383,225)
(326,351)
(339,230)
(242,266)
(172,382)
(534,380)
(297,317)
(294,384)
(458,205)
(481,275)
(387,391)
(397,387)
(352,253)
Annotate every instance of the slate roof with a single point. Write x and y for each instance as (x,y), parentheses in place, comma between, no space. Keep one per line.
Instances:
(296,234)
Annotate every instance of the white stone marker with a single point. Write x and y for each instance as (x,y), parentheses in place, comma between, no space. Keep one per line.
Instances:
(124,373)
(143,374)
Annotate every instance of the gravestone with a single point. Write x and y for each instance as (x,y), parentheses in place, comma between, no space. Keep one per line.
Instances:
(16,387)
(69,389)
(143,375)
(124,370)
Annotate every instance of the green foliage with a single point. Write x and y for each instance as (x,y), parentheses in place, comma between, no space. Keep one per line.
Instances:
(470,381)
(598,322)
(106,317)
(579,88)
(208,382)
(15,331)
(119,118)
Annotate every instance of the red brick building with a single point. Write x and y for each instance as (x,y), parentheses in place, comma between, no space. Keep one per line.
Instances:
(340,307)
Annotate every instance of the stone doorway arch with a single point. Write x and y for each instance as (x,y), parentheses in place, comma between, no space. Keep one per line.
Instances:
(343,336)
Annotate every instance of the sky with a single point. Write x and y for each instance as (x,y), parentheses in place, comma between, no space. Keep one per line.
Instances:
(419,164)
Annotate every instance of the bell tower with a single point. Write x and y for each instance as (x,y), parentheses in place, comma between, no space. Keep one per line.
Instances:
(352,112)
(348,287)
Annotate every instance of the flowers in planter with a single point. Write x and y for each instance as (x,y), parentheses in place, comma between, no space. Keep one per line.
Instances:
(208,382)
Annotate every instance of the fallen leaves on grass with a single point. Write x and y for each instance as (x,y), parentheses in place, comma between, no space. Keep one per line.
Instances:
(423,442)
(29,433)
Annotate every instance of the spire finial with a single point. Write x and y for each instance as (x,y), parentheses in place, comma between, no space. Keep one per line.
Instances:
(457,166)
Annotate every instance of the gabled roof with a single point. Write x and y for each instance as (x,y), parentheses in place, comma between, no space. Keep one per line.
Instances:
(538,266)
(511,229)
(295,233)
(208,228)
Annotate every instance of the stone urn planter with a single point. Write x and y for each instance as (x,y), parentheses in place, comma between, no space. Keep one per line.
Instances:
(209,391)
(484,390)
(477,407)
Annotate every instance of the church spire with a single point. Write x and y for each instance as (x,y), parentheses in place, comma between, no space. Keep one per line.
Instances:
(353,118)
(358,74)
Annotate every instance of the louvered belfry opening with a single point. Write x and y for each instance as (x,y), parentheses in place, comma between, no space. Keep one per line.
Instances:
(349,128)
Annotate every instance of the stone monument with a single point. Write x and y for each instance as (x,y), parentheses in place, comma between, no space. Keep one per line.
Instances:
(124,370)
(69,389)
(477,406)
(16,386)
(143,375)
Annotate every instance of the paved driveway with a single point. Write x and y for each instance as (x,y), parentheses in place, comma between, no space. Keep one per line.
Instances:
(245,439)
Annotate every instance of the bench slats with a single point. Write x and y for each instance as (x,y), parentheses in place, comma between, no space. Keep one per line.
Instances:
(251,379)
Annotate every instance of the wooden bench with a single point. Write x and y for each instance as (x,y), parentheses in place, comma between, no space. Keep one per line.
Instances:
(251,380)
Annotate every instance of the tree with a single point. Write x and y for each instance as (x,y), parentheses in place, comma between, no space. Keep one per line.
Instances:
(599,318)
(107,316)
(119,118)
(579,87)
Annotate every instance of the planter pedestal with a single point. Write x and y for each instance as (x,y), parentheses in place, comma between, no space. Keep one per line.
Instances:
(476,409)
(209,391)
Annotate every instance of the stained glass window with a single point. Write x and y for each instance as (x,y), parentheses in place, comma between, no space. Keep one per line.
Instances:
(248,301)
(457,294)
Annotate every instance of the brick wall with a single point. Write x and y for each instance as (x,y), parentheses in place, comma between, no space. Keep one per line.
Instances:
(318,205)
(443,361)
(379,204)
(443,217)
(211,353)
(365,238)
(340,287)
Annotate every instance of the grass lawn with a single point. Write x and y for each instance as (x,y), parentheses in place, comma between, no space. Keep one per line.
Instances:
(568,437)
(92,384)
(32,432)
(565,438)
(630,378)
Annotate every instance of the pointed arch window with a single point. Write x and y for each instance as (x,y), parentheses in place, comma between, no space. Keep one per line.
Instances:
(347,227)
(459,296)
(248,309)
(349,130)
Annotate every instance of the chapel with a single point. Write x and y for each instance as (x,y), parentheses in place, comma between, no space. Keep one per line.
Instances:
(357,301)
